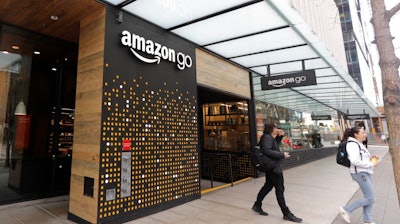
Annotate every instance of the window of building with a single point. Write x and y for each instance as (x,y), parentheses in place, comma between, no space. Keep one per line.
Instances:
(37,98)
(301,131)
(291,122)
(348,36)
(226,126)
(351,55)
(345,14)
(341,1)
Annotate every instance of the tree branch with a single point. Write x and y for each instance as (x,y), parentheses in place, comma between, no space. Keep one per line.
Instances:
(392,11)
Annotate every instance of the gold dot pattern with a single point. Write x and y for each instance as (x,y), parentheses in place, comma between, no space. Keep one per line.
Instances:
(217,165)
(161,124)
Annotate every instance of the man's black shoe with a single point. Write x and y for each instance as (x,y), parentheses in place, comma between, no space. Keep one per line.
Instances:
(291,217)
(259,210)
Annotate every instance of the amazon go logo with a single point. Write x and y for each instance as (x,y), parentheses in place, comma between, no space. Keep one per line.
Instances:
(303,78)
(155,51)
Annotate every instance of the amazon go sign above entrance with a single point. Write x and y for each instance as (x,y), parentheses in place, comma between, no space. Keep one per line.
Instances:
(304,78)
(154,52)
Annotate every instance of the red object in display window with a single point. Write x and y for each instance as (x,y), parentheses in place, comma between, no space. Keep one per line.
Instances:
(297,146)
(286,141)
(22,127)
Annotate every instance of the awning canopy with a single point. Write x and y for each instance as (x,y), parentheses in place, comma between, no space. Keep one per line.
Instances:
(266,37)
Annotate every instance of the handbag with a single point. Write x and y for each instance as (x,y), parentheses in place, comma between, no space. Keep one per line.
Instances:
(262,162)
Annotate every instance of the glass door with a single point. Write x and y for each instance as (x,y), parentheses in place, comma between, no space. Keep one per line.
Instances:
(37,97)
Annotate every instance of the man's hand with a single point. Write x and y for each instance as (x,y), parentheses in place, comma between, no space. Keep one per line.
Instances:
(287,155)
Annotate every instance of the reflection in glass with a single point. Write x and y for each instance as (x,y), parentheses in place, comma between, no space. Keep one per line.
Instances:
(29,92)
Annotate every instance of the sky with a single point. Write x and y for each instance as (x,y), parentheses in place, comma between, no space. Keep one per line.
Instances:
(395,31)
(394,25)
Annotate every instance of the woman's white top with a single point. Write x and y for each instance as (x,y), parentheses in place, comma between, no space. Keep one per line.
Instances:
(359,157)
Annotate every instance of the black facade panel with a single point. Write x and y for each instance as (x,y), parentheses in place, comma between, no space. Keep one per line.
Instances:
(149,138)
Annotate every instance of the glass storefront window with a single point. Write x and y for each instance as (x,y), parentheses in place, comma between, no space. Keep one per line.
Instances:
(301,132)
(37,83)
(226,126)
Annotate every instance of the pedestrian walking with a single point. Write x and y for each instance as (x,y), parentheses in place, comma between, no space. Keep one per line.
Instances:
(274,178)
(361,169)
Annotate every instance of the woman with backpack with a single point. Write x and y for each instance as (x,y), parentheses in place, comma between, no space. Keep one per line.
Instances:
(361,169)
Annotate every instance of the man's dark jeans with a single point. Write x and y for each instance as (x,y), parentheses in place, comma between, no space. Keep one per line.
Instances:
(274,180)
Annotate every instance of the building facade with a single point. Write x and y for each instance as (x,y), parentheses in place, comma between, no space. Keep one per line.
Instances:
(361,53)
(128,114)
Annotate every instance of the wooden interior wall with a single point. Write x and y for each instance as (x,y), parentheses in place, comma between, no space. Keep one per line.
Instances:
(87,129)
(220,75)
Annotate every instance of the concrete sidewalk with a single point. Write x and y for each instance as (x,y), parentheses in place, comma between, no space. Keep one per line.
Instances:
(314,192)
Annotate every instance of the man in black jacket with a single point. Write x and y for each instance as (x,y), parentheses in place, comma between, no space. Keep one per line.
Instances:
(274,178)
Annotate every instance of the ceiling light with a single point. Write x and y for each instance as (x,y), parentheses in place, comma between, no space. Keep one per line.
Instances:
(36,52)
(54,18)
(5,52)
(15,47)
(54,69)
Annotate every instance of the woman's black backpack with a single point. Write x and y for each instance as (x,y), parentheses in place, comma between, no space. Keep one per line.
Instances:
(341,156)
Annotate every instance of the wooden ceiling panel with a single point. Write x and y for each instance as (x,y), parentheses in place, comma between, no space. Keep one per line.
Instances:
(36,15)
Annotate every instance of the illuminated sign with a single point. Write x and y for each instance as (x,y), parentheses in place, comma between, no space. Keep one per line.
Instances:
(321,117)
(304,78)
(155,51)
(356,116)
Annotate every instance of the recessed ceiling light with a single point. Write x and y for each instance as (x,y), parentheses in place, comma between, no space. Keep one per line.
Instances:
(15,47)
(36,52)
(53,69)
(55,18)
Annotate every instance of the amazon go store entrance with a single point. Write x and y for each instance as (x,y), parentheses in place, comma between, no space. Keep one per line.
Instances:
(226,120)
(37,100)
(141,128)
